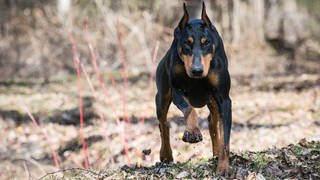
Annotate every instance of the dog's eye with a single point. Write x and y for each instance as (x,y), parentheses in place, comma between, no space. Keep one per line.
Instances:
(189,41)
(206,42)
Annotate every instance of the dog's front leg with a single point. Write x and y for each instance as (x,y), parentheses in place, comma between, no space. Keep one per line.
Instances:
(163,100)
(192,133)
(215,127)
(223,163)
(220,128)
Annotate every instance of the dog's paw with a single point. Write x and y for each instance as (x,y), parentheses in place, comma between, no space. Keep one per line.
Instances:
(223,168)
(193,136)
(166,155)
(223,171)
(165,159)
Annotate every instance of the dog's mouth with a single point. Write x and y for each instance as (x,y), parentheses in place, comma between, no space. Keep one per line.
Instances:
(196,75)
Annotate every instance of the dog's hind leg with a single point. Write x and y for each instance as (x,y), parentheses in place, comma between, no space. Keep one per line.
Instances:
(192,133)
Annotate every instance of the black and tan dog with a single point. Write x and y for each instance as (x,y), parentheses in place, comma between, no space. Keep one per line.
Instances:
(192,74)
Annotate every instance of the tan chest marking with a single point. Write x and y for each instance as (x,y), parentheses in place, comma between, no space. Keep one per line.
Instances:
(213,78)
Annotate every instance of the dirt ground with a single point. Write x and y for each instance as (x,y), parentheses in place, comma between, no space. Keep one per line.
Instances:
(300,161)
(272,108)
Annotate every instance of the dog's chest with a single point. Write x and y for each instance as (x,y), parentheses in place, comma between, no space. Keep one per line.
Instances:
(196,91)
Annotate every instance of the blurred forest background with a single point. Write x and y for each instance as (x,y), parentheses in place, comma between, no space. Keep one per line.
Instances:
(34,34)
(273,48)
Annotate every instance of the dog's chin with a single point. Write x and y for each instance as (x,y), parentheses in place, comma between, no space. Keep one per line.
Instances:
(196,76)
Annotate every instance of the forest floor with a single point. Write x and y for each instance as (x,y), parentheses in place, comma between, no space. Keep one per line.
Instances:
(300,161)
(275,133)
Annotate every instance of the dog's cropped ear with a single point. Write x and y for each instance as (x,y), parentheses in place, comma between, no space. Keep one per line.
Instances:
(184,20)
(204,17)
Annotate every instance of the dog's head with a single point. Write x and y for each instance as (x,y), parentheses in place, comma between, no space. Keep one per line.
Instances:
(196,43)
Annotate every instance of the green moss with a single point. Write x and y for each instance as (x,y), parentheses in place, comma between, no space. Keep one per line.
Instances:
(245,155)
(260,161)
(297,150)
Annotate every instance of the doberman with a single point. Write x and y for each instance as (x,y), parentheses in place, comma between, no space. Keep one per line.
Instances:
(192,74)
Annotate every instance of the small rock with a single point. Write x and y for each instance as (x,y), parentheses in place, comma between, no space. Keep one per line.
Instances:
(260,177)
(255,176)
(241,173)
(274,169)
(162,170)
(183,174)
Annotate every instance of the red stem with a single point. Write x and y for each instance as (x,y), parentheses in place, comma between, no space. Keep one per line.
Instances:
(126,149)
(94,63)
(45,134)
(77,67)
(93,91)
(124,71)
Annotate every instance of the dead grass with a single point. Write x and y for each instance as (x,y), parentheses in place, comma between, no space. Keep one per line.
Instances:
(263,117)
(293,161)
(39,45)
(271,107)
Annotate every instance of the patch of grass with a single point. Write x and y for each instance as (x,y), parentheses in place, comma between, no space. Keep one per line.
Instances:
(260,161)
(316,146)
(233,170)
(245,155)
(297,150)
(269,164)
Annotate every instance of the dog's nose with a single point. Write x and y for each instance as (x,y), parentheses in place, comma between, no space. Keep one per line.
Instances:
(198,70)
